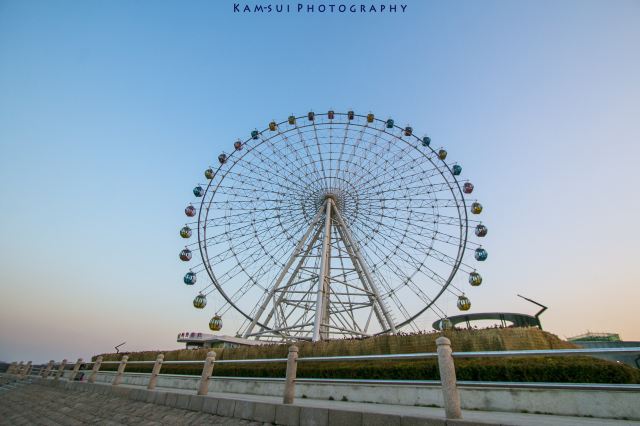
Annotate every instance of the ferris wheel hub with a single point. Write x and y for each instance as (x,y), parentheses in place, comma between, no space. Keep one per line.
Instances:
(338,196)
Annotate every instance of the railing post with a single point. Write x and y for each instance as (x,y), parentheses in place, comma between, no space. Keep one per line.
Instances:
(61,369)
(203,389)
(75,370)
(154,373)
(25,370)
(448,379)
(47,370)
(95,369)
(29,369)
(290,381)
(123,364)
(18,368)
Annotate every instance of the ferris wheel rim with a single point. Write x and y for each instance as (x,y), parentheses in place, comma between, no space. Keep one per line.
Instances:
(443,168)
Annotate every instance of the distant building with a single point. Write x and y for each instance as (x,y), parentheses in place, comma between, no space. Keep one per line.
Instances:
(197,340)
(595,337)
(608,340)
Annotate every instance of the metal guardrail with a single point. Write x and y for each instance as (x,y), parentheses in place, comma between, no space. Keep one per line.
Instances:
(546,352)
(444,355)
(411,356)
(414,383)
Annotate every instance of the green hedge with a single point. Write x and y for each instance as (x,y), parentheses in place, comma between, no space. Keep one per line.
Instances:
(538,369)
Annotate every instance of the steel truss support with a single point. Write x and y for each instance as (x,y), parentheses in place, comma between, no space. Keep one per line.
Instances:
(329,228)
(276,285)
(320,329)
(363,269)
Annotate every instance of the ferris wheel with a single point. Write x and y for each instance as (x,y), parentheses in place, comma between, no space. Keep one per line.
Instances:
(331,225)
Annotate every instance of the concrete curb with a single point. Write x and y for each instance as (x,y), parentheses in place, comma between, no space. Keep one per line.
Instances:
(266,412)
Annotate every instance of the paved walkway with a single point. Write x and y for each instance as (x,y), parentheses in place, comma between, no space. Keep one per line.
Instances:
(32,404)
(479,417)
(24,403)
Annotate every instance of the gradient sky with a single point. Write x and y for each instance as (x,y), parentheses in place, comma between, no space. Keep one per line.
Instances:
(110,112)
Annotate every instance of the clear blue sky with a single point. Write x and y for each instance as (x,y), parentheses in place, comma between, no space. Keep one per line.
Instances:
(110,111)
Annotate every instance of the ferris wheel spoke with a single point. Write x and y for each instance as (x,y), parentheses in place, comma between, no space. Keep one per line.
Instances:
(308,152)
(252,254)
(250,250)
(320,160)
(354,147)
(258,184)
(263,195)
(417,263)
(257,217)
(436,235)
(392,181)
(215,222)
(447,259)
(298,160)
(263,167)
(361,160)
(267,162)
(406,182)
(238,232)
(274,146)
(386,163)
(387,256)
(340,154)
(409,193)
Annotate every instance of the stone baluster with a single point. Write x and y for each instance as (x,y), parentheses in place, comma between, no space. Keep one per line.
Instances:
(203,388)
(448,379)
(47,370)
(154,373)
(60,372)
(123,364)
(75,370)
(94,371)
(25,370)
(290,381)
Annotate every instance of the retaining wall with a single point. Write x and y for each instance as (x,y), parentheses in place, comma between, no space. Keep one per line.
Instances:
(571,402)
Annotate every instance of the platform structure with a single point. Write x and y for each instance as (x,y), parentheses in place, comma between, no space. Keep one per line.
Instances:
(506,319)
(198,340)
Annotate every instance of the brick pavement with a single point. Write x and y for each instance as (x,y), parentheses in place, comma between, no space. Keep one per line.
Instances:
(34,404)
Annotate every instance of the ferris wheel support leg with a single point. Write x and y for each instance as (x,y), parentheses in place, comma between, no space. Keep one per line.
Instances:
(275,287)
(323,279)
(365,271)
(324,327)
(292,277)
(374,303)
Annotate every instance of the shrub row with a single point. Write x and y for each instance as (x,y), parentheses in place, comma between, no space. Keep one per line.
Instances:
(538,369)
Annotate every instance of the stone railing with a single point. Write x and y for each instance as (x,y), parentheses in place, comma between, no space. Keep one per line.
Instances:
(444,356)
